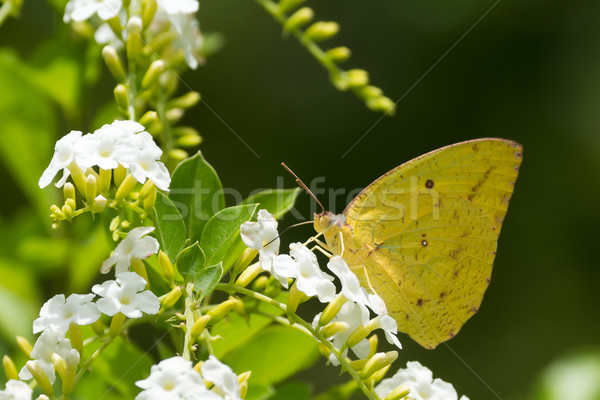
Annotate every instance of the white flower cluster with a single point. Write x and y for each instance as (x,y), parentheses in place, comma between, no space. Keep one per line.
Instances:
(126,295)
(175,15)
(419,380)
(124,143)
(302,266)
(175,379)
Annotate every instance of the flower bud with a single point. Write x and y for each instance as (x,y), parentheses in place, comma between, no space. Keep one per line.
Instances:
(189,141)
(357,336)
(200,325)
(78,177)
(357,365)
(379,375)
(10,370)
(170,298)
(175,114)
(104,179)
(139,268)
(56,212)
(134,39)
(248,275)
(119,175)
(113,62)
(148,12)
(286,6)
(373,342)
(357,77)
(67,212)
(99,203)
(60,365)
(221,310)
(148,119)
(147,189)
(371,92)
(68,381)
(324,350)
(98,328)
(332,309)
(150,200)
(115,25)
(24,345)
(91,187)
(339,54)
(320,31)
(243,382)
(178,155)
(69,191)
(332,328)
(399,393)
(152,74)
(260,283)
(188,100)
(273,287)
(159,42)
(294,299)
(166,266)
(40,377)
(120,93)
(125,188)
(298,19)
(244,261)
(382,104)
(377,362)
(116,324)
(75,337)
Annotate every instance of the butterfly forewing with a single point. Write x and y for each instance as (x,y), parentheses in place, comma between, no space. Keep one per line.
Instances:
(426,234)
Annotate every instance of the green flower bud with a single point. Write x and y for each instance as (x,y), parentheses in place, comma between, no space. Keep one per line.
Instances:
(175,114)
(76,337)
(148,12)
(170,298)
(244,261)
(113,62)
(357,77)
(10,370)
(120,93)
(332,328)
(399,393)
(332,309)
(119,175)
(260,283)
(91,188)
(320,31)
(159,42)
(56,212)
(115,25)
(134,39)
(298,19)
(69,191)
(116,324)
(148,119)
(178,155)
(150,200)
(200,325)
(166,266)
(382,104)
(125,188)
(188,100)
(189,141)
(295,298)
(243,382)
(285,6)
(40,377)
(371,92)
(104,179)
(152,74)
(339,54)
(67,212)
(139,268)
(248,275)
(221,310)
(24,345)
(97,327)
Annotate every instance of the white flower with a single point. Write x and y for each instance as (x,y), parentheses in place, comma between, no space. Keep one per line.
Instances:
(178,6)
(304,267)
(390,329)
(16,390)
(81,10)
(108,146)
(126,295)
(174,379)
(143,164)
(57,313)
(222,377)
(262,235)
(64,155)
(351,287)
(135,245)
(188,39)
(352,315)
(47,344)
(419,380)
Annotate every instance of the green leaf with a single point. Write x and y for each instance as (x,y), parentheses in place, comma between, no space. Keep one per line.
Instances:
(197,192)
(170,229)
(222,230)
(274,354)
(275,201)
(292,391)
(207,279)
(259,392)
(190,261)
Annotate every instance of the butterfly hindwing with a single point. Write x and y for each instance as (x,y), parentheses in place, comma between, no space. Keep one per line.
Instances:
(426,234)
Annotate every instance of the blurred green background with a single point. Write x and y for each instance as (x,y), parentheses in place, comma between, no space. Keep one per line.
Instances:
(528,71)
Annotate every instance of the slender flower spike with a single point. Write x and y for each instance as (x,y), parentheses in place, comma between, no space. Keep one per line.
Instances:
(421,383)
(174,379)
(304,267)
(57,314)
(49,343)
(64,155)
(262,235)
(16,390)
(135,245)
(81,10)
(225,381)
(126,295)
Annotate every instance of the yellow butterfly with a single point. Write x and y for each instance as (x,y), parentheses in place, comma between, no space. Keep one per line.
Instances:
(424,235)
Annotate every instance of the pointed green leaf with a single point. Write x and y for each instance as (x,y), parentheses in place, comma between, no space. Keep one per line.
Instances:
(222,230)
(190,261)
(170,229)
(197,192)
(275,201)
(292,391)
(207,279)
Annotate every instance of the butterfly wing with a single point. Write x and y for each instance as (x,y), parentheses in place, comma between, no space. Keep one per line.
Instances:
(426,232)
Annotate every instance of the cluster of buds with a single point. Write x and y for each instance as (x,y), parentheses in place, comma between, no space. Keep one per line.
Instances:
(299,22)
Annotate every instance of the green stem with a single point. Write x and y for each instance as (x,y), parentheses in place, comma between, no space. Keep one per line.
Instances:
(344,362)
(189,321)
(5,11)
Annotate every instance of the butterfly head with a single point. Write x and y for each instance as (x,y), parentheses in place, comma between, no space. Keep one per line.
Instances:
(326,220)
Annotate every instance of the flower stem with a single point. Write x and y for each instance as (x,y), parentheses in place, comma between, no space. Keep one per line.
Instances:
(189,321)
(226,287)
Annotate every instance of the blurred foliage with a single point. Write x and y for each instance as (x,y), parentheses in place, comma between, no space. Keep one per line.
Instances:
(528,71)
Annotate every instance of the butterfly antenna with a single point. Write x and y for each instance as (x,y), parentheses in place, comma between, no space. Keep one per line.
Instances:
(289,227)
(303,186)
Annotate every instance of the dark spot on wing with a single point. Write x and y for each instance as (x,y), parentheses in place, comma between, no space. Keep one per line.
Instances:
(429,184)
(419,302)
(475,147)
(424,243)
(442,295)
(487,280)
(399,283)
